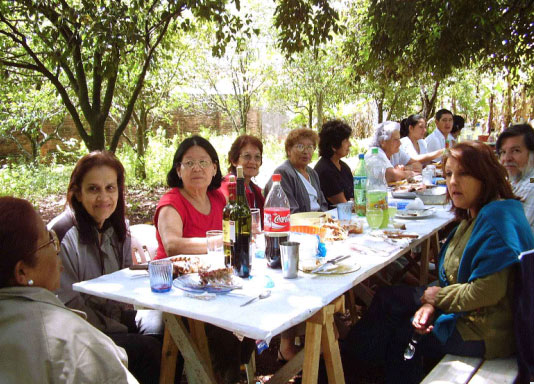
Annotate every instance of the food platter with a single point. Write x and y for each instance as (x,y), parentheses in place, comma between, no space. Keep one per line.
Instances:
(415,213)
(192,283)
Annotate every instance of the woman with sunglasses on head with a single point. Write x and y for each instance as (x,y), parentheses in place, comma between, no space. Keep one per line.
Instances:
(41,340)
(95,241)
(299,181)
(246,151)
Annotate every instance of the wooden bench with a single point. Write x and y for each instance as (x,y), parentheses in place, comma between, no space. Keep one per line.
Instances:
(462,370)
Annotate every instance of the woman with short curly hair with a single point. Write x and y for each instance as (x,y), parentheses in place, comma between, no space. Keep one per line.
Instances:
(334,174)
(299,181)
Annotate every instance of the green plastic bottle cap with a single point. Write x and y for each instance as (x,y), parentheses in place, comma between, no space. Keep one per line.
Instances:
(374,150)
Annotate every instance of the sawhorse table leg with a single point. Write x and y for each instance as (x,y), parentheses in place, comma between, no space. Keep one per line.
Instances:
(193,346)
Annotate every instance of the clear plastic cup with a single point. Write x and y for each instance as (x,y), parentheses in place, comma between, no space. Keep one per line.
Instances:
(160,272)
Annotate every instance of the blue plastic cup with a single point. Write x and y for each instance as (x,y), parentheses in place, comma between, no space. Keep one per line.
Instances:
(160,272)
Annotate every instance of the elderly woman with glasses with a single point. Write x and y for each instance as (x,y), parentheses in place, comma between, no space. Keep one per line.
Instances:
(246,151)
(41,340)
(399,165)
(95,241)
(194,204)
(299,181)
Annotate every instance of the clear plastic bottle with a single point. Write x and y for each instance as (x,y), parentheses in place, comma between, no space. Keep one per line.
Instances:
(360,184)
(275,222)
(377,189)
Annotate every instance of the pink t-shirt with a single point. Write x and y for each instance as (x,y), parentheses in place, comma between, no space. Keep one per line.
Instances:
(195,224)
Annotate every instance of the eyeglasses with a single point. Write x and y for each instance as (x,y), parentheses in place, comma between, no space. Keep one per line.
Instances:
(301,147)
(249,157)
(53,240)
(190,164)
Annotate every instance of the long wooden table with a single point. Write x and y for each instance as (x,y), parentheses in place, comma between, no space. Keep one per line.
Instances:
(310,298)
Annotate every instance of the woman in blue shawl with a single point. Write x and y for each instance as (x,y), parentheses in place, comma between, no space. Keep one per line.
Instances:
(470,312)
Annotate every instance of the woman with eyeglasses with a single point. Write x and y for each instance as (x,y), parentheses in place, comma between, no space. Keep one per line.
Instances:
(41,340)
(194,204)
(246,151)
(95,241)
(299,181)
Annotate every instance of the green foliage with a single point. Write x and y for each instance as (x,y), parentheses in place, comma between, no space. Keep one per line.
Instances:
(305,24)
(34,181)
(81,46)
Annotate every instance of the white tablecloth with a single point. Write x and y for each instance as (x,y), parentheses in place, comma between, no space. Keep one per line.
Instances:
(291,302)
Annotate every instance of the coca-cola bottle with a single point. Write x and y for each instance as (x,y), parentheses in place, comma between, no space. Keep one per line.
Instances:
(275,222)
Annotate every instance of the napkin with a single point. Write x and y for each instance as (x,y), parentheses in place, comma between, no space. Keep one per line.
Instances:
(416,204)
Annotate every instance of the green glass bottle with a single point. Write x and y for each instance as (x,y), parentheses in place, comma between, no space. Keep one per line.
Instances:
(227,243)
(241,221)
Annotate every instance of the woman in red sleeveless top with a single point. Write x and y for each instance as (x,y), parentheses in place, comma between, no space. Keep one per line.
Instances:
(193,205)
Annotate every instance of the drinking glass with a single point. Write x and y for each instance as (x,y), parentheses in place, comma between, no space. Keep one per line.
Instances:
(215,247)
(374,217)
(392,210)
(255,233)
(160,275)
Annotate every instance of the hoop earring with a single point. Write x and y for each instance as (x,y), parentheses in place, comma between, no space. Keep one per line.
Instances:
(30,282)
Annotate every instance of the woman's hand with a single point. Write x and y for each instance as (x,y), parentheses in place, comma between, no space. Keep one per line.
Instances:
(422,320)
(429,296)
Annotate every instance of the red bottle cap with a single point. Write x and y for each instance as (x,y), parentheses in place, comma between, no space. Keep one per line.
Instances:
(277,177)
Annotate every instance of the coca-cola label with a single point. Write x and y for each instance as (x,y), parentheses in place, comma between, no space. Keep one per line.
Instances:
(276,220)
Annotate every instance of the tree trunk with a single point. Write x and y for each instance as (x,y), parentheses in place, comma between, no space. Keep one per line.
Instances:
(380,106)
(490,114)
(310,114)
(429,103)
(508,110)
(140,169)
(320,101)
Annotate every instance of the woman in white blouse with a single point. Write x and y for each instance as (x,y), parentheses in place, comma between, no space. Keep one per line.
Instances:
(412,131)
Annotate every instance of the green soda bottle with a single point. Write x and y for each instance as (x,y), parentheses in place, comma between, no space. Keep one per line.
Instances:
(360,182)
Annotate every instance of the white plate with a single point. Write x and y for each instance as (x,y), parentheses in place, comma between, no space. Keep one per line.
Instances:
(340,268)
(415,213)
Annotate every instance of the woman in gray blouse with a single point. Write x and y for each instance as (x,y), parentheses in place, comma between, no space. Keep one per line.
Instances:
(95,241)
(299,181)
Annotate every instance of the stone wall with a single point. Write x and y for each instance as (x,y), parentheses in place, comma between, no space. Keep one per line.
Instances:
(181,122)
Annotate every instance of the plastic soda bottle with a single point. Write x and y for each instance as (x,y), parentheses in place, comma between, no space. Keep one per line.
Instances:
(275,222)
(377,190)
(360,184)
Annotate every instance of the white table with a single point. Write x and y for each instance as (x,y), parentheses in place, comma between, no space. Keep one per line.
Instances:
(310,298)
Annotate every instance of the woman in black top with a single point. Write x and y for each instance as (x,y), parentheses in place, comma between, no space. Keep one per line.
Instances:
(335,175)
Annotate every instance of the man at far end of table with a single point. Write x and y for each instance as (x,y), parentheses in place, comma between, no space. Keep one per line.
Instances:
(515,147)
(437,139)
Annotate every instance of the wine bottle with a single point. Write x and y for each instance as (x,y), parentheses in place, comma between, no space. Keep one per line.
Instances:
(227,229)
(241,220)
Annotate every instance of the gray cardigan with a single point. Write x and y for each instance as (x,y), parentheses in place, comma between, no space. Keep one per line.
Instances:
(299,200)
